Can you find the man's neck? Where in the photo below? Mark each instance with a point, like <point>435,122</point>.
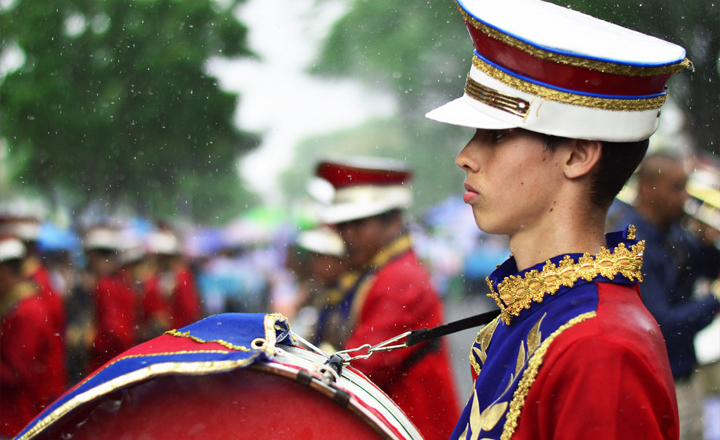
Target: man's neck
<point>559,236</point>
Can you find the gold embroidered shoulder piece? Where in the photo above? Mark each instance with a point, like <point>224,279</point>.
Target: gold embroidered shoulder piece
<point>515,293</point>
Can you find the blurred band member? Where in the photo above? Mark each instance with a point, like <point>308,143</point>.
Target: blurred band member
<point>173,281</point>
<point>27,229</point>
<point>385,291</point>
<point>100,246</point>
<point>317,260</point>
<point>26,341</point>
<point>118,307</point>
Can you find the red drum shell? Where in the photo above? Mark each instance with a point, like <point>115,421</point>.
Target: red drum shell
<point>262,401</point>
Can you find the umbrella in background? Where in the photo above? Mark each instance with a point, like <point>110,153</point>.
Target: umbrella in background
<point>53,238</point>
<point>203,242</point>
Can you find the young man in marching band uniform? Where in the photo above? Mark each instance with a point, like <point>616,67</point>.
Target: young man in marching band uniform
<point>563,105</point>
<point>386,291</point>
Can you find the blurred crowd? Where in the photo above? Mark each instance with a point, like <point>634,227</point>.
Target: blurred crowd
<point>101,289</point>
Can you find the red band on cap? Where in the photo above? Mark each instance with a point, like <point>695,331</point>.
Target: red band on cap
<point>565,76</point>
<point>341,176</point>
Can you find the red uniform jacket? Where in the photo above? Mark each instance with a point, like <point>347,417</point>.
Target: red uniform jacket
<point>630,379</point>
<point>185,307</point>
<point>116,308</point>
<point>400,297</point>
<point>26,359</point>
<point>57,378</point>
<point>574,354</point>
<point>180,299</point>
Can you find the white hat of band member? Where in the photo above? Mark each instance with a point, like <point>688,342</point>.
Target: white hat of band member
<point>24,228</point>
<point>321,240</point>
<point>163,242</point>
<point>11,248</point>
<point>548,69</point>
<point>364,187</point>
<point>102,237</point>
<point>703,187</point>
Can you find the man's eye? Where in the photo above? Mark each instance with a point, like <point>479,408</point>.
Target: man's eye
<point>497,136</point>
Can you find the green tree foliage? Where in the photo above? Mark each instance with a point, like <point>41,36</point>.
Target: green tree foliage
<point>112,100</point>
<point>420,52</point>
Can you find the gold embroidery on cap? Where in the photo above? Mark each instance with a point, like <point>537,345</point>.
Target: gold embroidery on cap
<point>569,98</point>
<point>596,65</point>
<point>514,294</point>
<point>493,98</point>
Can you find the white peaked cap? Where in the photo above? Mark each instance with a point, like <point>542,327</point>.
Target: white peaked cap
<point>163,242</point>
<point>552,70</point>
<point>703,186</point>
<point>11,249</point>
<point>322,240</point>
<point>101,238</point>
<point>364,187</point>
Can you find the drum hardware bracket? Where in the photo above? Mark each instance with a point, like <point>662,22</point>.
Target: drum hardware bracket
<point>382,346</point>
<point>336,362</point>
<point>417,336</point>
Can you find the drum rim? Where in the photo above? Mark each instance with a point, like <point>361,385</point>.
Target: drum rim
<point>392,429</point>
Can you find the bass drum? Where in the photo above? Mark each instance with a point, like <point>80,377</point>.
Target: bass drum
<point>291,397</point>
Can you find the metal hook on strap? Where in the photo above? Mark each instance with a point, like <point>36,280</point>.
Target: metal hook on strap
<point>370,349</point>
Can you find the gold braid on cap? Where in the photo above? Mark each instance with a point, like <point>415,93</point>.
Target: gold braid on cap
<point>599,66</point>
<point>496,99</point>
<point>611,104</point>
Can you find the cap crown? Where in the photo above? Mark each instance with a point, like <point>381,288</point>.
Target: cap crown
<point>364,187</point>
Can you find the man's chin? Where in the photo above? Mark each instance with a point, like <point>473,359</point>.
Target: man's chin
<point>489,228</point>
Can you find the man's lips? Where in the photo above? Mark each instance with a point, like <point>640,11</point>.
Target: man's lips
<point>470,194</point>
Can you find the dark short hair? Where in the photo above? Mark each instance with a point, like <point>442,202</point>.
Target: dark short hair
<point>386,218</point>
<point>618,161</point>
<point>15,265</point>
<point>391,216</point>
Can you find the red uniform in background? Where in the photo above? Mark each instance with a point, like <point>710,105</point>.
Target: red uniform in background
<point>57,378</point>
<point>26,358</point>
<point>116,312</point>
<point>419,379</point>
<point>178,291</point>
<point>394,295</point>
<point>185,307</point>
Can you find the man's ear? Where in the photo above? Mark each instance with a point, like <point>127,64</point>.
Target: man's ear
<point>582,158</point>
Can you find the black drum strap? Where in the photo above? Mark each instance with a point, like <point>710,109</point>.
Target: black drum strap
<point>422,335</point>
<point>344,357</point>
